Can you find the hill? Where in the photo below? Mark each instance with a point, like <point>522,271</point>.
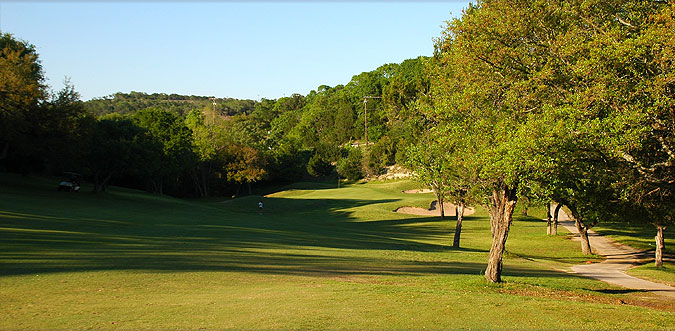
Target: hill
<point>181,105</point>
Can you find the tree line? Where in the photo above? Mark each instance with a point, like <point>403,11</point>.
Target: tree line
<point>198,146</point>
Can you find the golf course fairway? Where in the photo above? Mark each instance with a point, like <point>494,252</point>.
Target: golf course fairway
<point>317,257</point>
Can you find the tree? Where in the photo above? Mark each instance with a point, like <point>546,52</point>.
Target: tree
<point>204,151</point>
<point>63,126</point>
<point>118,147</point>
<point>176,142</point>
<point>641,94</point>
<point>494,74</point>
<point>350,166</point>
<point>437,161</point>
<point>22,90</point>
<point>244,164</point>
<point>319,165</point>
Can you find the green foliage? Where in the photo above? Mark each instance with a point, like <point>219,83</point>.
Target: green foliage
<point>351,166</point>
<point>22,90</point>
<point>180,105</point>
<point>119,147</point>
<point>175,138</point>
<point>379,156</point>
<point>319,166</point>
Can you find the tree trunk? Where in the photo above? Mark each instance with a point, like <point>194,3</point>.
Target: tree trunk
<point>100,185</point>
<point>556,214</point>
<point>439,201</point>
<point>549,221</point>
<point>250,192</point>
<point>583,231</point>
<point>502,203</point>
<point>660,245</point>
<point>442,206</point>
<point>585,243</point>
<point>458,228</point>
<point>197,182</point>
<point>526,206</point>
<point>5,150</point>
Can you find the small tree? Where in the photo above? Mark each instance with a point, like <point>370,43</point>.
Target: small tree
<point>431,167</point>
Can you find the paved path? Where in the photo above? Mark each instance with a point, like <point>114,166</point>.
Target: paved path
<point>619,258</point>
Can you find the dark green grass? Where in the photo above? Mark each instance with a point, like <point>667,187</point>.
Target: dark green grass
<point>318,257</point>
<point>640,236</point>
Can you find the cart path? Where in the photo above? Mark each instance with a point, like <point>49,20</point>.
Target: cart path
<point>619,258</point>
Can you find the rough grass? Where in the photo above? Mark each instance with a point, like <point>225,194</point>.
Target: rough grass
<point>318,257</point>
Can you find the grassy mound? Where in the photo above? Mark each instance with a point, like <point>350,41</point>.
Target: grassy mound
<point>317,257</point>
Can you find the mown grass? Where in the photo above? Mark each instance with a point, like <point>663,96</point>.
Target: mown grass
<point>641,236</point>
<point>664,274</point>
<point>318,257</point>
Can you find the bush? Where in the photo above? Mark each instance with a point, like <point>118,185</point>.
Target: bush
<point>319,166</point>
<point>381,155</point>
<point>350,166</point>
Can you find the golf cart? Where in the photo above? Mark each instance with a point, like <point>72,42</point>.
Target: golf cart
<point>70,182</point>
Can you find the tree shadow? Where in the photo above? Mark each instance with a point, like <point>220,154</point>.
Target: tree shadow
<point>293,236</point>
<point>619,291</point>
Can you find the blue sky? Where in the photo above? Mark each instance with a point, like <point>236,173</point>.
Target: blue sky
<point>221,48</point>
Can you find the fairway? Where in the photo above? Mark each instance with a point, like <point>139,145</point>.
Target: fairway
<point>318,257</point>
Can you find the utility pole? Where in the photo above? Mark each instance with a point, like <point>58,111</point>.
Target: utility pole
<point>213,116</point>
<point>365,115</point>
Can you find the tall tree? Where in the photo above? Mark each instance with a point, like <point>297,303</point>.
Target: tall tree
<point>22,90</point>
<point>495,74</point>
<point>176,141</point>
<point>118,147</point>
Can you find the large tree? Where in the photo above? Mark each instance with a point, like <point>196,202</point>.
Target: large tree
<point>638,62</point>
<point>22,90</point>
<point>176,147</point>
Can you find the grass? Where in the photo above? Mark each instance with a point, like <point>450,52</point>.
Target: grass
<point>642,237</point>
<point>665,274</point>
<point>318,257</point>
<point>635,235</point>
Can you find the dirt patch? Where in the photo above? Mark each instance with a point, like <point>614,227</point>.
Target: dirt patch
<point>433,211</point>
<point>654,302</point>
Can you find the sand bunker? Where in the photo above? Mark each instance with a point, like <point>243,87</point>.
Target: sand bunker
<point>433,211</point>
<point>421,190</point>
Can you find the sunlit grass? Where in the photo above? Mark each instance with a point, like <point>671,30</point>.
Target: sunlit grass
<point>318,257</point>
<point>664,274</point>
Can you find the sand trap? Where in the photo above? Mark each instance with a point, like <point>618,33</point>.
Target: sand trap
<point>433,211</point>
<point>421,190</point>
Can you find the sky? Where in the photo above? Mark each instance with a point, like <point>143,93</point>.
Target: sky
<point>245,50</point>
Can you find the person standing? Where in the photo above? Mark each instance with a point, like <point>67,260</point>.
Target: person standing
<point>260,207</point>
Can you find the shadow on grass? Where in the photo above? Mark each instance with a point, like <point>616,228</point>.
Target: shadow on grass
<point>293,236</point>
<point>622,291</point>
